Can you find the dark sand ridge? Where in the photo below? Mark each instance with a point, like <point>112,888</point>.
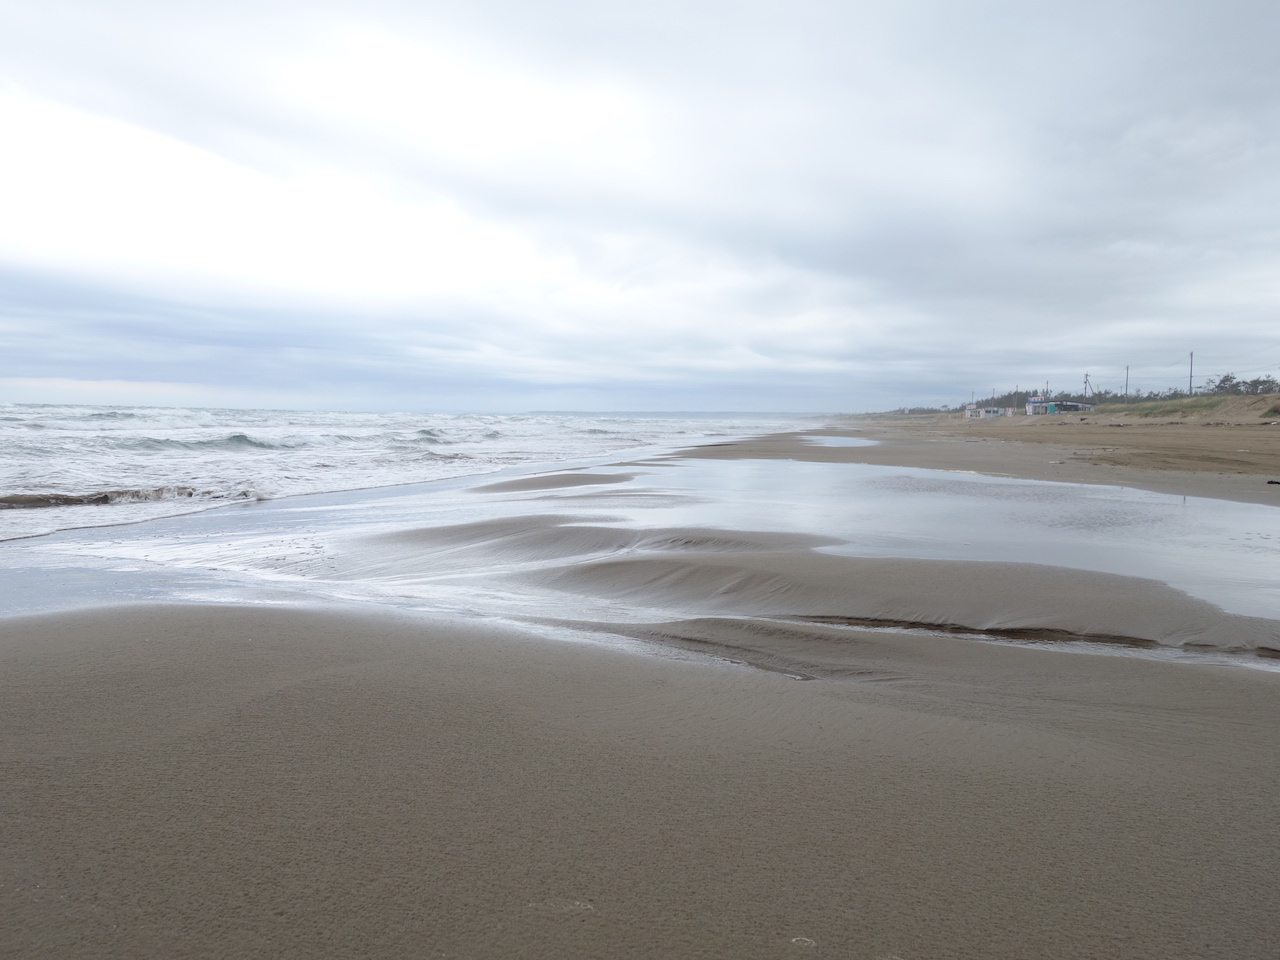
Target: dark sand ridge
<point>231,782</point>
<point>1019,600</point>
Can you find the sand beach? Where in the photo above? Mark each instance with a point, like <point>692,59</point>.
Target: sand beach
<point>795,760</point>
<point>1229,453</point>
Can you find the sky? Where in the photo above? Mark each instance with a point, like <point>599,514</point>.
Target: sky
<point>509,205</point>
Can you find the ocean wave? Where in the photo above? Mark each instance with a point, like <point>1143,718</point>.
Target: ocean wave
<point>234,441</point>
<point>106,464</point>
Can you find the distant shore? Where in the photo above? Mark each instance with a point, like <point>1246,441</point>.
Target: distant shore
<point>1204,457</point>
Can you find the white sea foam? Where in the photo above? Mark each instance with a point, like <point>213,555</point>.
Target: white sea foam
<point>65,466</point>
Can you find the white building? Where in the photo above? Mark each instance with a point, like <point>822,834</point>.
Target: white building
<point>1040,406</point>
<point>974,412</point>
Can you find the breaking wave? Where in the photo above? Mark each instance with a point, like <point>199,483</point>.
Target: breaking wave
<point>235,441</point>
<point>70,466</point>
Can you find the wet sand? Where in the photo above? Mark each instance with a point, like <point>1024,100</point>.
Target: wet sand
<point>1196,457</point>
<point>222,781</point>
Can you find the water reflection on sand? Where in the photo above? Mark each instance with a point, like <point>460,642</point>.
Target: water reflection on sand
<point>336,545</point>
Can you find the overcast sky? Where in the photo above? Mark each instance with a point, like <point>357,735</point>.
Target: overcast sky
<point>503,205</point>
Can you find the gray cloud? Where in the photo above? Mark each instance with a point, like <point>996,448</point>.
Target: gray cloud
<point>834,205</point>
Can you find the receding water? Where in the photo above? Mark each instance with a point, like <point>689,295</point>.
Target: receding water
<point>1222,552</point>
<point>824,441</point>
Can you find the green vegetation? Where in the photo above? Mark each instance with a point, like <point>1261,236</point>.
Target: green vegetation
<point>1186,406</point>
<point>1168,403</point>
<point>1274,411</point>
<point>1233,386</point>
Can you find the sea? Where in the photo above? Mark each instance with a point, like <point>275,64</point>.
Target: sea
<point>67,466</point>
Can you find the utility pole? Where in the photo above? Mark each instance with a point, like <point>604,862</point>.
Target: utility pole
<point>1191,370</point>
<point>1126,383</point>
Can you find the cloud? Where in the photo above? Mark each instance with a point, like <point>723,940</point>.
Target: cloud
<point>812,206</point>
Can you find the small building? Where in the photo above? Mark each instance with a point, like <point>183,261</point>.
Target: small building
<point>974,412</point>
<point>1042,406</point>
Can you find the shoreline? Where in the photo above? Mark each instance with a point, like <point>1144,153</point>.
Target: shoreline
<point>1016,447</point>
<point>169,507</point>
<point>770,774</point>
<point>1059,452</point>
<point>661,537</point>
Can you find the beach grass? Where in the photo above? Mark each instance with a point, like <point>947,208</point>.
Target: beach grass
<point>1186,407</point>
